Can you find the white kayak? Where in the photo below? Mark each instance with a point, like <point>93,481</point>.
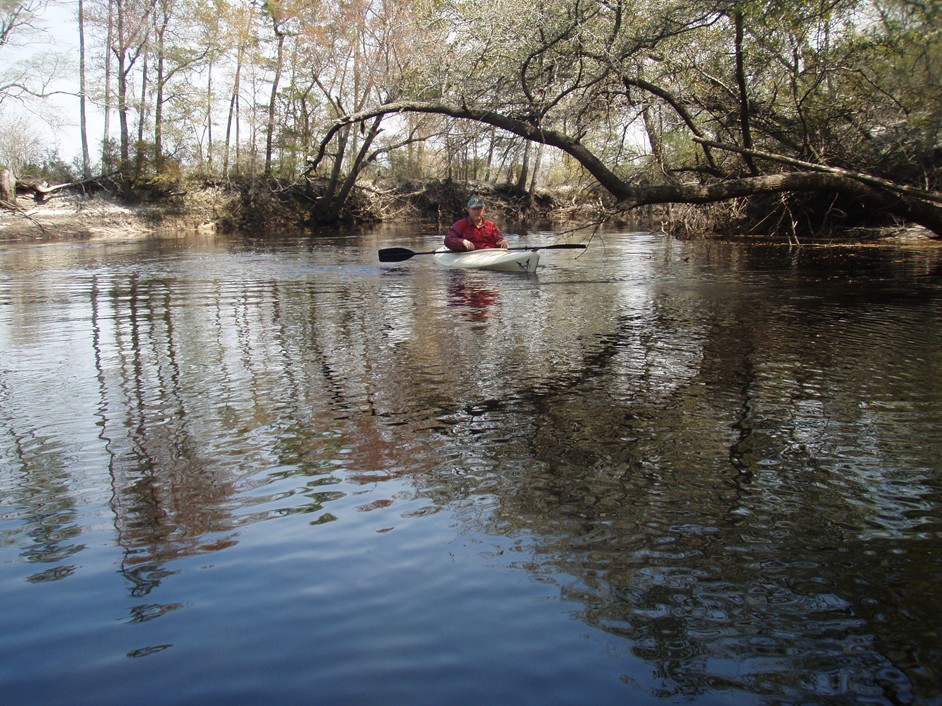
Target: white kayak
<point>490,259</point>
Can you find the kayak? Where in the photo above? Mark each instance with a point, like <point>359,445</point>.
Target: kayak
<point>521,259</point>
<point>490,259</point>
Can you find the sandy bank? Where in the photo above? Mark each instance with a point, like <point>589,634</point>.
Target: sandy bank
<point>76,216</point>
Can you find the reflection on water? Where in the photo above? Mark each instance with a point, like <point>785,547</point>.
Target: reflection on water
<point>473,293</point>
<point>722,460</point>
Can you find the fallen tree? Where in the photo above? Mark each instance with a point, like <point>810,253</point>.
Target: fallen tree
<point>879,195</point>
<point>39,191</point>
<point>8,198</point>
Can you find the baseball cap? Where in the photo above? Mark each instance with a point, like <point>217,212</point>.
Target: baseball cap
<point>475,202</point>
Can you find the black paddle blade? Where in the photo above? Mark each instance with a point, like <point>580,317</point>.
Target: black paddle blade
<point>395,254</point>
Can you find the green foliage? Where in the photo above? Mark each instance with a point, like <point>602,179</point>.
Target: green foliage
<point>849,83</point>
<point>50,169</point>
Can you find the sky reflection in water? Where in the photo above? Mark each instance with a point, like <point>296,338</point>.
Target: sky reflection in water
<point>656,472</point>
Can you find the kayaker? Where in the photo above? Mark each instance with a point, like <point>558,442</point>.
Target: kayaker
<point>474,232</point>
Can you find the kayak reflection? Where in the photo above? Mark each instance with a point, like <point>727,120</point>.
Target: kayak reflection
<point>471,296</point>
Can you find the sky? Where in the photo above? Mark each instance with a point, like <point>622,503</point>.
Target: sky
<point>55,120</point>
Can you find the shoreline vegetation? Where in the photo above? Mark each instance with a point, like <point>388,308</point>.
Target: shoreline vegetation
<point>795,123</point>
<point>80,213</point>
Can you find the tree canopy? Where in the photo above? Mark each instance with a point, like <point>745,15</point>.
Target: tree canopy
<point>806,113</point>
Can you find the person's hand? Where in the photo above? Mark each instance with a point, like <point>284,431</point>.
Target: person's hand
<point>468,245</point>
<point>504,244</point>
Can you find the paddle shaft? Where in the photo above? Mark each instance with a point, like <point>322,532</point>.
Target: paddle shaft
<point>401,254</point>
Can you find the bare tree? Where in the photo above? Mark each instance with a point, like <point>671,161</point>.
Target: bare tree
<point>24,80</point>
<point>83,118</point>
<point>128,45</point>
<point>280,14</point>
<point>17,16</point>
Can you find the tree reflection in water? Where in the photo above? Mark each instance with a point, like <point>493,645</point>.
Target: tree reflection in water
<point>743,493</point>
<point>726,456</point>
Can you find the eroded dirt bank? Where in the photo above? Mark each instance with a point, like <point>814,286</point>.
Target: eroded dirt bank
<point>101,215</point>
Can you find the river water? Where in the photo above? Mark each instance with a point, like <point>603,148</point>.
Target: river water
<point>278,471</point>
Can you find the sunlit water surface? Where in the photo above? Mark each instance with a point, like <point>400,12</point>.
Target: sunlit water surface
<point>657,472</point>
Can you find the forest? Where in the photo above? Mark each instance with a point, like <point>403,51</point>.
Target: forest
<point>766,116</point>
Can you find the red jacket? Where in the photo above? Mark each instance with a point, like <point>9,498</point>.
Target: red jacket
<point>483,235</point>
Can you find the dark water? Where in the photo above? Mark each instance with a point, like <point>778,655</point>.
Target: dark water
<point>280,472</point>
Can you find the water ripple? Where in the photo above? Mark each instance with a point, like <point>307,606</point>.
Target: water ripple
<point>661,470</point>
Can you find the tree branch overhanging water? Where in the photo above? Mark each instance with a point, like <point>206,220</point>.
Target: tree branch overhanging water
<point>877,194</point>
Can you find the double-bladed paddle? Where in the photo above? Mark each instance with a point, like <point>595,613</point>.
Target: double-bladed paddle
<point>402,254</point>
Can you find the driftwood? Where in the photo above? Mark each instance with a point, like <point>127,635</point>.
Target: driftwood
<point>8,198</point>
<point>10,187</point>
<point>40,191</point>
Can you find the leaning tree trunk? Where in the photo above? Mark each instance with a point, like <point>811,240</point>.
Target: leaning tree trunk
<point>270,124</point>
<point>744,120</point>
<point>907,203</point>
<point>339,200</point>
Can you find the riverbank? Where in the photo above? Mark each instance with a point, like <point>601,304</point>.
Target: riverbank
<point>104,216</point>
<point>212,208</point>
